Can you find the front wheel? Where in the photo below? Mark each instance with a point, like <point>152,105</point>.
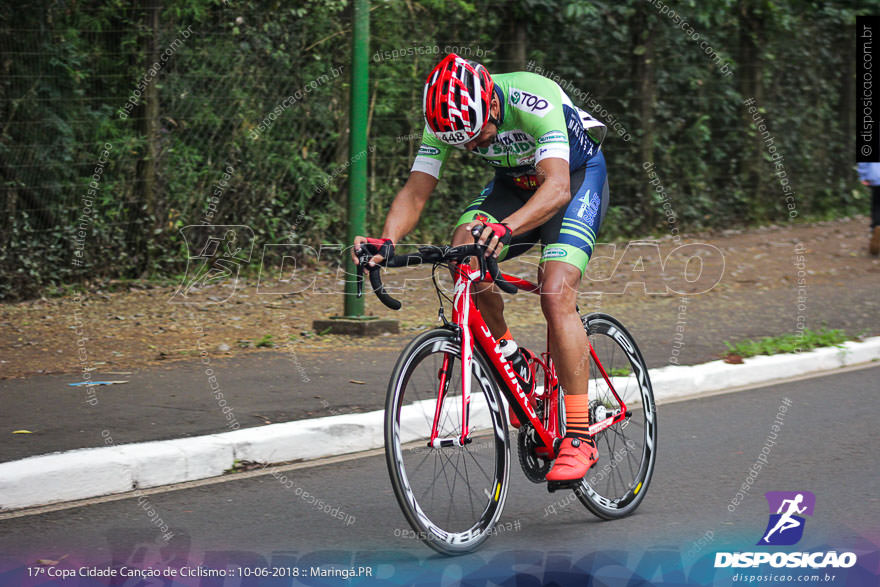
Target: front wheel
<point>617,484</point>
<point>451,495</point>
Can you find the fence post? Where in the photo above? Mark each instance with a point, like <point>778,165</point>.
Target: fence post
<point>357,147</point>
<point>354,322</point>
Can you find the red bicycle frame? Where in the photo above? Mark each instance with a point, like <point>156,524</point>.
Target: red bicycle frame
<point>467,317</point>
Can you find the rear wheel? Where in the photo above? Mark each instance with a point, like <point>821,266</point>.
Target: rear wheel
<point>452,495</point>
<point>616,485</point>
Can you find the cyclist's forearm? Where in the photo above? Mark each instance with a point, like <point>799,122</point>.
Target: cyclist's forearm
<point>548,199</point>
<point>408,205</point>
<point>402,217</point>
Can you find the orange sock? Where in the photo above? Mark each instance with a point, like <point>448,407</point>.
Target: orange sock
<point>505,336</point>
<point>577,417</point>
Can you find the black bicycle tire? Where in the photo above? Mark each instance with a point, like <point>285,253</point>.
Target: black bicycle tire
<point>427,534</point>
<point>589,497</point>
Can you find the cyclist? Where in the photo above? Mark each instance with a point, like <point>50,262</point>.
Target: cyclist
<point>550,185</point>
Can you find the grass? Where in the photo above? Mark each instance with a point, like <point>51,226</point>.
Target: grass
<point>265,342</point>
<point>788,343</point>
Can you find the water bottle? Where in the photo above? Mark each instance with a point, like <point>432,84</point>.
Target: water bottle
<point>510,350</point>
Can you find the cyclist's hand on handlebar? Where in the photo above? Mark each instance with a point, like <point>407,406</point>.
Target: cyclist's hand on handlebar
<point>494,235</point>
<point>379,248</point>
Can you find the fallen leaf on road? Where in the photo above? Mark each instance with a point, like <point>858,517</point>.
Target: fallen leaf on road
<point>357,381</point>
<point>245,465</point>
<point>22,432</point>
<point>733,359</point>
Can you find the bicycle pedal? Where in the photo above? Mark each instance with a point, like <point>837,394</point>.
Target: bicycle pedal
<point>561,485</point>
<point>571,484</point>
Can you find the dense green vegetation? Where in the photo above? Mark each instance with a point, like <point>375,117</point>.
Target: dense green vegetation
<point>215,121</point>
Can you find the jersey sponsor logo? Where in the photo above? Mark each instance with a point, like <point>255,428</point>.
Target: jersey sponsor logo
<point>528,102</point>
<point>588,208</point>
<point>510,142</point>
<point>554,136</point>
<point>514,137</point>
<point>554,253</point>
<point>428,150</point>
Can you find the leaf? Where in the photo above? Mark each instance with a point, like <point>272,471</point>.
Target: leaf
<point>359,382</point>
<point>22,432</point>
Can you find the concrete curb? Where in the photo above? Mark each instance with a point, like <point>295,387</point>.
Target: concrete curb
<point>85,473</point>
<point>678,382</point>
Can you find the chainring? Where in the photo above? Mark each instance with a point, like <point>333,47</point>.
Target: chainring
<point>534,467</point>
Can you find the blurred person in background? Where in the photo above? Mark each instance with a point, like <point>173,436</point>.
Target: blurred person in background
<point>869,174</point>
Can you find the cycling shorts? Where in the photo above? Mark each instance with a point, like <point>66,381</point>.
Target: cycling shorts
<point>570,235</point>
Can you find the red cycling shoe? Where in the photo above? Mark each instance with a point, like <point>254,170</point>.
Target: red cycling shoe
<point>574,460</point>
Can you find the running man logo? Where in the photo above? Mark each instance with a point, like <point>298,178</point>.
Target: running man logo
<point>786,526</point>
<point>215,256</point>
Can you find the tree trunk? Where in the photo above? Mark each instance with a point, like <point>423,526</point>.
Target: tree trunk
<point>643,72</point>
<point>846,107</point>
<point>149,129</point>
<point>751,38</point>
<point>513,48</point>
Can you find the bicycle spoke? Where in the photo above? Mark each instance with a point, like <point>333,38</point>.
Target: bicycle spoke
<point>477,463</point>
<point>624,485</point>
<point>617,433</point>
<point>629,462</point>
<point>422,462</point>
<point>432,486</point>
<point>443,470</point>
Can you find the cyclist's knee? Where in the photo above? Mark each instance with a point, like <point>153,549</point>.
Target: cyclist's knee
<point>461,236</point>
<point>485,294</point>
<point>559,292</point>
<point>557,304</point>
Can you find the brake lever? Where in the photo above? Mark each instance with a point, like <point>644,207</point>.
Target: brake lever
<point>482,262</point>
<point>363,259</point>
<point>476,231</point>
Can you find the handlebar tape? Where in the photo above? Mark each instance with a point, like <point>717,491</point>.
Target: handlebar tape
<point>379,290</point>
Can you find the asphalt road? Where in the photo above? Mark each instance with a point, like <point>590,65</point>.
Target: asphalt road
<point>827,444</point>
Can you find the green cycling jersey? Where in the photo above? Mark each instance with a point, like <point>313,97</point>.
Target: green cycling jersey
<point>538,120</point>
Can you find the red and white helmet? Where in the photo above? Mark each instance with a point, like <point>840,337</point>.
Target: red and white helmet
<point>456,99</point>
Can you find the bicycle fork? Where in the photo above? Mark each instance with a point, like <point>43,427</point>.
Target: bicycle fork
<point>461,310</point>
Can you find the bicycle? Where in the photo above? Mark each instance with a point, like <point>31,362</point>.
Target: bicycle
<point>452,489</point>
